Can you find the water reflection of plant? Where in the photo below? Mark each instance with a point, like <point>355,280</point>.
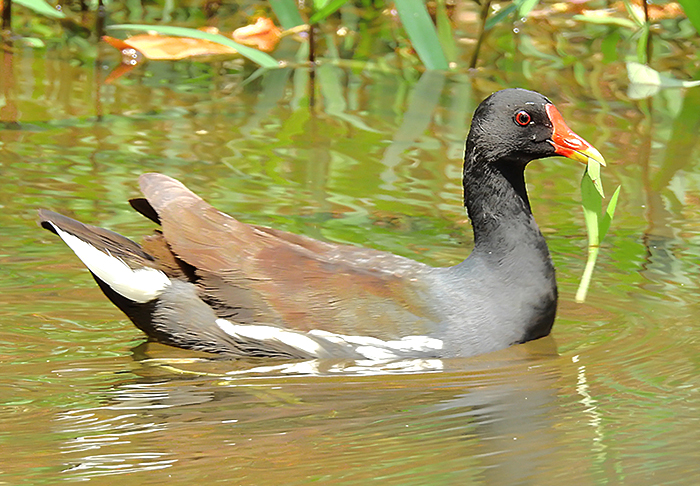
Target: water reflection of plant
<point>339,28</point>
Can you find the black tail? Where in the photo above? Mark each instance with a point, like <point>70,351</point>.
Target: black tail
<point>126,273</point>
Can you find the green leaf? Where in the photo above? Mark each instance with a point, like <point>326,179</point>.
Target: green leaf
<point>592,204</point>
<point>526,6</point>
<point>421,32</point>
<point>254,55</point>
<point>597,18</point>
<point>593,172</point>
<point>329,7</point>
<point>605,223</point>
<point>609,47</point>
<point>523,7</point>
<point>41,7</point>
<point>444,31</point>
<point>500,15</point>
<point>646,82</point>
<point>597,224</point>
<point>287,13</point>
<point>33,42</point>
<point>692,11</point>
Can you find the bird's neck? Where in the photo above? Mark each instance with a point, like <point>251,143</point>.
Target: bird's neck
<point>497,204</point>
<point>510,252</point>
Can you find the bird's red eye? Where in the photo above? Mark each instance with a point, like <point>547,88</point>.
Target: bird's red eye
<point>522,118</point>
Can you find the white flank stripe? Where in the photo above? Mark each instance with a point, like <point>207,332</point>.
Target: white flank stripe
<point>265,333</point>
<point>375,353</point>
<point>376,349</point>
<point>369,347</point>
<point>140,285</point>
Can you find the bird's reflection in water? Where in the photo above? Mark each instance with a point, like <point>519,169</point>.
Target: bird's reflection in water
<point>486,417</point>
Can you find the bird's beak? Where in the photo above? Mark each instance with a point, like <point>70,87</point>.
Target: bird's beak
<point>567,143</point>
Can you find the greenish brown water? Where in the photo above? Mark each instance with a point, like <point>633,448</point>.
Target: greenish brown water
<point>613,397</point>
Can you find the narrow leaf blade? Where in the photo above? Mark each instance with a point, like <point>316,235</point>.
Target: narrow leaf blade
<point>326,10</point>
<point>592,204</point>
<point>41,7</point>
<point>593,172</point>
<point>444,31</point>
<point>287,13</point>
<point>593,18</point>
<point>500,15</point>
<point>608,216</point>
<point>421,32</point>
<point>692,11</point>
<point>526,6</point>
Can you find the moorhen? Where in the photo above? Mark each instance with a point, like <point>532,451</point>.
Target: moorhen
<point>207,282</point>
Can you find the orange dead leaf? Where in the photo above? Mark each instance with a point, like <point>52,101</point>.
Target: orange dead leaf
<point>130,55</point>
<point>263,34</point>
<point>164,48</point>
<point>669,10</point>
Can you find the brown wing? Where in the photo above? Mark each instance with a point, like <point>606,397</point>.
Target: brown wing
<point>259,275</point>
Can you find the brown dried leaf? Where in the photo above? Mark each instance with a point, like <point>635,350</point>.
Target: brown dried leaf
<point>263,34</point>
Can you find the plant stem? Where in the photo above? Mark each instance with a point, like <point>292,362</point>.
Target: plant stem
<point>100,19</point>
<point>312,65</point>
<point>648,27</point>
<point>485,8</point>
<point>587,273</point>
<point>7,15</point>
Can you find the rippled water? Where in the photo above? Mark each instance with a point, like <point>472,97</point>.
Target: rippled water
<point>612,397</point>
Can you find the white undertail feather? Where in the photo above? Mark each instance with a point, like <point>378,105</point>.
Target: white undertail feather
<point>139,285</point>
